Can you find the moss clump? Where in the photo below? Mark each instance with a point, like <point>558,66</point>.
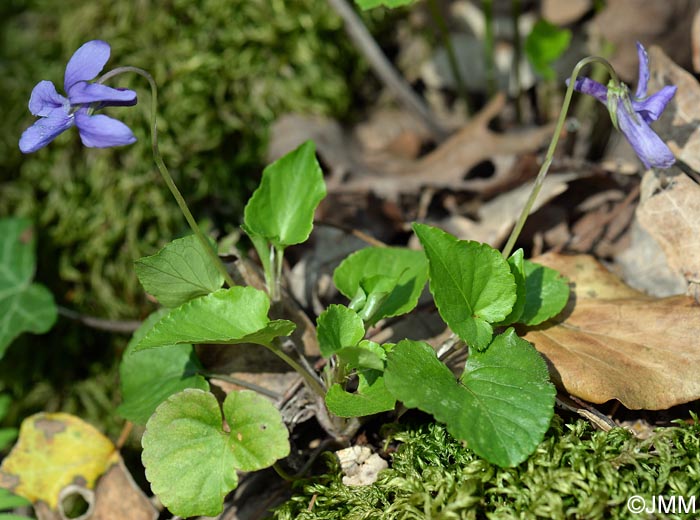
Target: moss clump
<point>226,69</point>
<point>575,473</point>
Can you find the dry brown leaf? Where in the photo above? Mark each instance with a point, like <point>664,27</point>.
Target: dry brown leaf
<point>118,496</point>
<point>679,123</point>
<point>670,211</point>
<point>613,342</point>
<point>667,24</point>
<point>354,168</point>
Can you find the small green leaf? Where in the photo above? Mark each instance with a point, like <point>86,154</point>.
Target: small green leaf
<point>371,397</point>
<point>502,405</point>
<point>370,268</point>
<point>338,327</point>
<point>149,377</point>
<point>471,283</point>
<point>544,45</point>
<point>516,262</point>
<point>367,354</point>
<point>24,306</point>
<point>179,272</point>
<point>282,208</point>
<point>191,460</point>
<point>228,316</point>
<point>369,4</point>
<point>547,293</point>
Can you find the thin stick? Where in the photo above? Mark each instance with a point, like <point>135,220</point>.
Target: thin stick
<point>383,68</point>
<point>552,146</point>
<point>119,326</point>
<point>241,382</point>
<point>165,173</point>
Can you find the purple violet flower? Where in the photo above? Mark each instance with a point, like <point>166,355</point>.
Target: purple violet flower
<point>632,115</point>
<point>58,113</point>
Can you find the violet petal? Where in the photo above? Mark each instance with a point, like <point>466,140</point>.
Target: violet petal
<point>649,147</point>
<point>101,131</point>
<point>651,108</point>
<point>45,130</point>
<point>592,88</point>
<point>45,99</point>
<point>643,80</point>
<point>84,93</point>
<point>86,63</point>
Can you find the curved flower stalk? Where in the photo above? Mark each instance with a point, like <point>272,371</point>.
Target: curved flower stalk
<point>633,114</point>
<point>58,113</point>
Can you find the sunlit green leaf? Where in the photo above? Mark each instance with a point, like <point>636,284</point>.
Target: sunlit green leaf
<point>235,315</point>
<point>191,459</point>
<point>402,271</point>
<point>179,272</point>
<point>547,292</point>
<point>501,406</point>
<point>282,209</point>
<point>471,283</point>
<point>370,397</point>
<point>367,354</point>
<point>338,327</point>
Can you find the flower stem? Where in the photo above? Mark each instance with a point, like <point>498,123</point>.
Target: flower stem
<point>552,146</point>
<point>310,379</point>
<point>158,158</point>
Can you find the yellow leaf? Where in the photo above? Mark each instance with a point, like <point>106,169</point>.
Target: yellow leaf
<point>53,451</point>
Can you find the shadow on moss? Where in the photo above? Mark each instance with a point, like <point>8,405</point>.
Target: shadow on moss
<point>575,473</point>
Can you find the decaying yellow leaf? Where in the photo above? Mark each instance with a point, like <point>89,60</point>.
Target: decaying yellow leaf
<point>612,342</point>
<point>53,451</point>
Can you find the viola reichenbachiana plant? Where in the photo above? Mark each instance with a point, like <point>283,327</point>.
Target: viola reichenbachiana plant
<point>501,404</point>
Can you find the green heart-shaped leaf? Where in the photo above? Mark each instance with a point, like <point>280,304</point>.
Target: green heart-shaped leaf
<point>229,316</point>
<point>282,208</point>
<point>471,284</point>
<point>179,272</point>
<point>191,460</point>
<point>338,327</point>
<point>24,306</point>
<point>149,377</point>
<point>501,406</point>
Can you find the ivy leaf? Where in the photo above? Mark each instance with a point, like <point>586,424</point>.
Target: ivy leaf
<point>228,316</point>
<point>369,269</point>
<point>282,208</point>
<point>150,376</point>
<point>544,45</point>
<point>369,4</point>
<point>471,284</point>
<point>191,460</point>
<point>501,406</point>
<point>547,293</point>
<point>179,272</point>
<point>24,306</point>
<point>371,396</point>
<point>338,327</point>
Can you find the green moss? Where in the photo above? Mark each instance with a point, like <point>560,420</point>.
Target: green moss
<point>226,69</point>
<point>575,473</point>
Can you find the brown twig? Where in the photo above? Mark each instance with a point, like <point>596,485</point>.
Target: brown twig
<point>118,326</point>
